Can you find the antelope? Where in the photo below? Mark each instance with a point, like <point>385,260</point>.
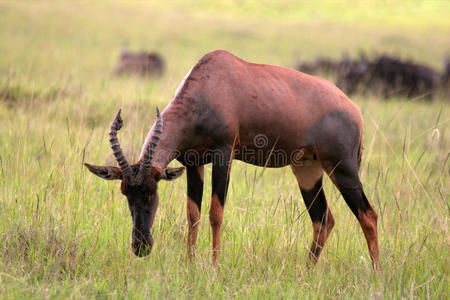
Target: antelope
<point>139,63</point>
<point>220,106</point>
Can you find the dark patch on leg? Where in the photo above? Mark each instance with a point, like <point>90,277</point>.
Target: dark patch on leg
<point>194,185</point>
<point>344,174</point>
<point>220,180</point>
<point>220,172</point>
<point>345,177</point>
<point>352,192</point>
<point>321,217</point>
<point>315,202</point>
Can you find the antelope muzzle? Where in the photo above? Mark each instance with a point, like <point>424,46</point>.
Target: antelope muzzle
<point>142,243</point>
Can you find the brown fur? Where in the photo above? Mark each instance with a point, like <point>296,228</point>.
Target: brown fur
<point>244,108</point>
<point>215,218</point>
<point>193,217</point>
<point>368,221</point>
<point>224,103</point>
<point>321,233</point>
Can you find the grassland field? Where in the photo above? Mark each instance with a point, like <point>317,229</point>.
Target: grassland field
<point>65,233</point>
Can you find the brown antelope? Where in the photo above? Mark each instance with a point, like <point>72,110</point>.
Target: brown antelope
<point>219,109</point>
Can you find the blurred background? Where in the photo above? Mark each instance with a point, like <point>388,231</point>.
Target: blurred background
<point>81,41</point>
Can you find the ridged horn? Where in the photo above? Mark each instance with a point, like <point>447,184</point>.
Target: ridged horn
<point>127,172</point>
<point>146,163</point>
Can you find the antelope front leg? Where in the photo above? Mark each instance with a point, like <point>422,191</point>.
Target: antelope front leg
<point>193,205</point>
<point>215,219</point>
<point>220,179</point>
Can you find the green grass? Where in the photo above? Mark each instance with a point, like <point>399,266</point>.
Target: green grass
<point>65,233</point>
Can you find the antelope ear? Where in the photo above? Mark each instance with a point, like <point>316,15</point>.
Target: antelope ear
<point>170,174</point>
<point>107,172</point>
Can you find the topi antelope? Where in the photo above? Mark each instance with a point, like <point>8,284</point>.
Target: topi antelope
<point>220,107</point>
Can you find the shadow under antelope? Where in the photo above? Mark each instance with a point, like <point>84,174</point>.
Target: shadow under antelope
<point>220,109</point>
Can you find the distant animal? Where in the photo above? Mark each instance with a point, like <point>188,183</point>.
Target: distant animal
<point>403,77</point>
<point>141,64</point>
<point>320,65</point>
<point>226,108</point>
<point>353,75</point>
<point>387,76</point>
<point>445,79</point>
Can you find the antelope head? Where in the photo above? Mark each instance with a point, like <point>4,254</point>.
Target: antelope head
<point>139,184</point>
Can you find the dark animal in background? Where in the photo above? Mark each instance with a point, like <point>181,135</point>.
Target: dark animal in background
<point>319,66</point>
<point>140,64</point>
<point>352,75</point>
<point>395,77</point>
<point>384,75</point>
<point>227,108</point>
<point>445,79</point>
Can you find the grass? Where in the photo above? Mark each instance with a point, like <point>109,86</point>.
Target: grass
<point>66,234</point>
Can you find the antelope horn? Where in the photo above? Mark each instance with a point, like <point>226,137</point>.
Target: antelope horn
<point>148,155</point>
<point>127,172</point>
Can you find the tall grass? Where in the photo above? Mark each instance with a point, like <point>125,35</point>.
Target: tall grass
<point>65,233</point>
